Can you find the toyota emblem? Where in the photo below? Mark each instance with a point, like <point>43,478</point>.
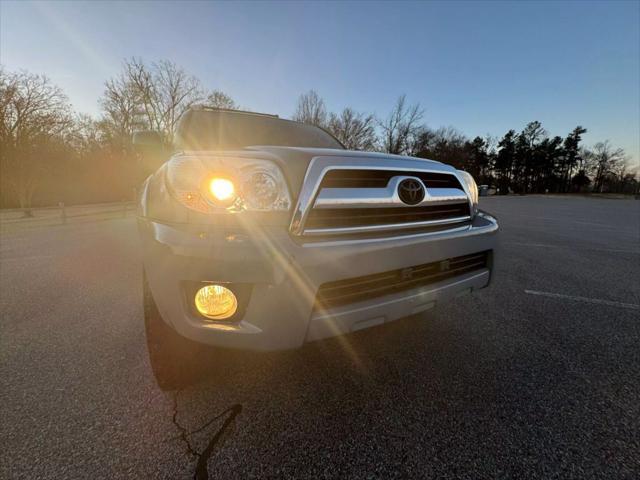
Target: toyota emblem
<point>411,191</point>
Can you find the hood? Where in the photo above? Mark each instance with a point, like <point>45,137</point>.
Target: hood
<point>294,160</point>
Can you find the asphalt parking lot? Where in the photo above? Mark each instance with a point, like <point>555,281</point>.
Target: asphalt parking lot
<point>537,376</point>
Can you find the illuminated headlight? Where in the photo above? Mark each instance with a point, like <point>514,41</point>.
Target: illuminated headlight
<point>218,184</point>
<point>472,189</point>
<point>222,189</point>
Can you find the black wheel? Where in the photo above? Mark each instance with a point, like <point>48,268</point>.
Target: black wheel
<point>173,358</point>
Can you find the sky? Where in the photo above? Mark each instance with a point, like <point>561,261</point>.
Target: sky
<point>482,67</point>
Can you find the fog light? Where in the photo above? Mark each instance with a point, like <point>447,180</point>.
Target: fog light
<point>216,302</point>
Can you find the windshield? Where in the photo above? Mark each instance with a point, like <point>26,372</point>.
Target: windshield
<point>227,130</point>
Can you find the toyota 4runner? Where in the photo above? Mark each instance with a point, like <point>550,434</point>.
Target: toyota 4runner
<point>262,233</point>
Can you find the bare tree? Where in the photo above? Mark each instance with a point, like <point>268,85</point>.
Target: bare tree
<point>402,127</point>
<point>150,96</point>
<point>139,79</point>
<point>355,130</point>
<point>85,137</point>
<point>219,99</point>
<point>34,115</point>
<point>446,144</point>
<point>604,161</point>
<point>176,91</point>
<point>311,109</point>
<point>121,108</point>
<point>153,96</point>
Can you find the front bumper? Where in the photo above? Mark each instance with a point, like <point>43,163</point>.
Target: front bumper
<point>285,276</point>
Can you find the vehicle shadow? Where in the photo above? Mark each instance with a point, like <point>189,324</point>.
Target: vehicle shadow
<point>380,381</point>
<point>360,357</point>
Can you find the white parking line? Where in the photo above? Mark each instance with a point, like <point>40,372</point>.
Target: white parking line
<point>598,301</point>
<point>572,247</point>
<point>566,220</point>
<point>25,259</point>
<point>563,220</point>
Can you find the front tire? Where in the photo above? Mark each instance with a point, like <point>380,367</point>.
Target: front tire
<point>173,358</point>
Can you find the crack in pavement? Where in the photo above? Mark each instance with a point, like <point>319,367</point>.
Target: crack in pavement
<point>184,433</point>
<point>201,472</point>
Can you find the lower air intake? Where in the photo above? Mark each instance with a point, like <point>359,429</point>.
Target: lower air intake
<point>342,292</point>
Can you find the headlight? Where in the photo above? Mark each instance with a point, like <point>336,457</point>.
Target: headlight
<point>472,188</point>
<point>222,189</point>
<point>214,184</point>
<point>261,190</point>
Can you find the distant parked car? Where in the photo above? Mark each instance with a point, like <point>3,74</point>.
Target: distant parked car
<point>486,190</point>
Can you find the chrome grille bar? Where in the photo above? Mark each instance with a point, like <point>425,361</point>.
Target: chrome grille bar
<point>385,227</point>
<point>370,192</point>
<point>383,197</point>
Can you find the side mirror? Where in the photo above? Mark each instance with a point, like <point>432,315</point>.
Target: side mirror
<point>151,151</point>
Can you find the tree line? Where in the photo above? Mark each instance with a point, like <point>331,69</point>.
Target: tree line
<point>530,161</point>
<point>49,153</point>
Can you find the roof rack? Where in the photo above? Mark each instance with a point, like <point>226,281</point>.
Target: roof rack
<point>233,110</point>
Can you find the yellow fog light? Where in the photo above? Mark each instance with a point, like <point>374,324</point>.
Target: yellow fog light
<point>216,302</point>
<point>222,189</point>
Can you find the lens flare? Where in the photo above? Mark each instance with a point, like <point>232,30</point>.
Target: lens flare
<point>222,189</point>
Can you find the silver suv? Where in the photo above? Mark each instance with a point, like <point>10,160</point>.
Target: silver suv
<point>261,233</point>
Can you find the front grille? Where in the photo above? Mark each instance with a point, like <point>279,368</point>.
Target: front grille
<point>340,200</point>
<point>342,292</point>
<point>345,178</point>
<point>360,217</point>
